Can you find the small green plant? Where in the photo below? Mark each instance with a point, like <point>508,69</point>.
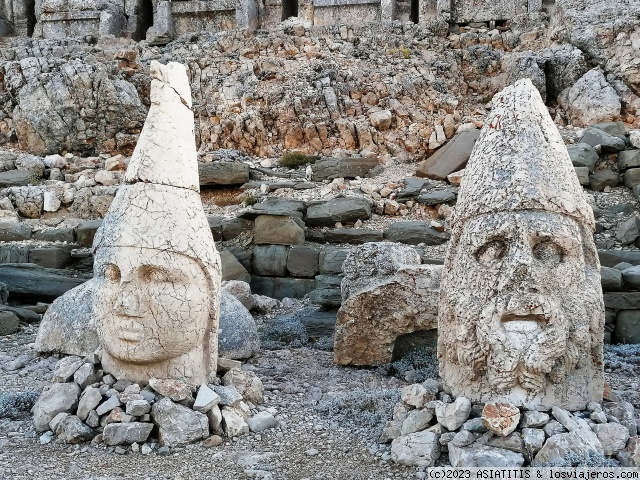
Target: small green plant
<point>390,150</point>
<point>404,51</point>
<point>249,200</point>
<point>295,160</point>
<point>34,179</point>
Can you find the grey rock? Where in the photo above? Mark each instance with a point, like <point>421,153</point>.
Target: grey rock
<point>329,297</point>
<point>450,158</point>
<point>86,231</point>
<point>594,136</point>
<point>437,197</point>
<point>234,227</point>
<point>85,375</point>
<point>282,287</point>
<point>553,428</point>
<point>262,421</point>
<point>357,236</point>
<point>412,188</point>
<point>72,430</point>
<point>565,418</point>
<point>629,159</point>
<point>629,230</point>
<point>126,433</point>
<point>331,260</point>
<point>233,422</point>
<point>178,425</point>
<point>137,408</point>
<point>229,396</point>
<point>416,421</point>
<point>278,230</point>
<point>65,368</point>
<point>206,399</point>
<point>9,323</point>
<point>632,177</point>
<point>631,277</point>
<point>484,456</point>
<point>89,400</point>
<point>223,173</point>
<point>416,449</point>
<point>390,431</point>
<point>583,176</point>
<point>583,155</point>
<point>414,233</point>
<point>627,327</point>
<point>617,129</point>
<point>330,168</point>
<point>274,206</point>
<point>512,442</point>
<point>344,210</point>
<point>303,261</point>
<point>622,300</point>
<point>57,398</point>
<point>612,436</point>
<point>581,441</point>
<point>610,258</point>
<point>532,440</point>
<point>37,282</point>
<point>232,269</point>
<point>11,232</point>
<point>16,405</point>
<point>534,419</point>
<point>270,260</point>
<point>237,332</point>
<point>462,438</point>
<point>241,291</point>
<point>624,412</point>
<point>474,425</point>
<point>58,256</point>
<point>108,405</point>
<point>453,415</point>
<point>610,279</point>
<point>603,178</point>
<point>55,235</point>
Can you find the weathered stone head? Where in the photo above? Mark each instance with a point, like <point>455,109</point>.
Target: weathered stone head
<point>521,314</point>
<point>157,271</point>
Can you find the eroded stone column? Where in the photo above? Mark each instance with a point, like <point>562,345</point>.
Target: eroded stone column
<point>156,271</point>
<point>521,314</point>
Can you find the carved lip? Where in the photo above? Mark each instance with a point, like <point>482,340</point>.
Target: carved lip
<point>130,331</point>
<point>523,323</point>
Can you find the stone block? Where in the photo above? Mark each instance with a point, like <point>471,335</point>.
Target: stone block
<point>629,159</point>
<point>51,257</point>
<point>414,233</point>
<point>86,231</point>
<point>270,260</point>
<point>232,269</point>
<point>277,230</point>
<point>330,168</point>
<point>609,143</point>
<point>9,323</point>
<point>11,232</point>
<point>215,224</point>
<point>274,206</point>
<point>356,236</point>
<point>622,300</point>
<point>632,177</point>
<point>303,261</point>
<point>280,288</point>
<point>327,297</point>
<point>611,258</point>
<point>331,260</point>
<point>223,173</point>
<point>15,178</point>
<point>450,158</point>
<point>55,235</point>
<point>37,282</point>
<point>344,210</point>
<point>627,327</point>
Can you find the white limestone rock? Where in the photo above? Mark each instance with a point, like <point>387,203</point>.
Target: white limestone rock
<point>483,456</point>
<point>416,449</point>
<point>262,421</point>
<point>453,415</point>
<point>55,399</point>
<point>591,100</point>
<point>612,436</point>
<point>178,425</point>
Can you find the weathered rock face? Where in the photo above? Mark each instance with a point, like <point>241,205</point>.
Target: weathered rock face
<point>521,314</point>
<point>156,269</point>
<point>386,294</point>
<point>591,100</point>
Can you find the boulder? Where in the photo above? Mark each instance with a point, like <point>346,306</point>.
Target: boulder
<point>416,449</point>
<point>583,155</point>
<point>178,425</point>
<point>72,430</point>
<point>234,227</point>
<point>627,327</point>
<point>609,143</point>
<point>233,423</point>
<point>453,415</point>
<point>9,323</point>
<point>611,258</point>
<point>303,261</point>
<point>330,168</point>
<point>603,178</point>
<point>126,433</point>
<point>68,326</point>
<point>610,279</point>
<point>629,159</point>
<point>437,197</point>
<point>31,280</point>
<point>237,332</point>
<point>277,230</point>
<point>414,233</point>
<point>631,277</point>
<point>57,398</point>
<point>206,399</point>
<point>223,173</point>
<point>612,436</point>
<point>86,231</point>
<point>583,175</point>
<point>632,177</point>
<point>344,210</point>
<point>12,231</point>
<point>241,290</point>
<point>483,456</point>
<point>591,100</point>
<point>232,269</point>
<point>581,441</point>
<point>270,260</point>
<point>450,158</point>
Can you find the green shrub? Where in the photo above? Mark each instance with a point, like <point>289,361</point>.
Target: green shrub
<point>295,160</point>
<point>422,360</point>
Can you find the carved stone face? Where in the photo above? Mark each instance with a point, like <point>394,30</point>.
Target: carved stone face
<point>150,305</point>
<point>518,293</point>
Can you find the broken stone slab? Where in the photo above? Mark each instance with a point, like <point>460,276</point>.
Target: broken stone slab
<point>500,418</point>
<point>55,399</point>
<point>629,159</point>
<point>178,425</point>
<point>232,269</point>
<point>126,433</point>
<point>206,399</point>
<point>233,423</point>
<point>437,197</point>
<point>627,326</point>
<point>414,233</point>
<point>582,442</point>
<point>12,232</point>
<point>611,258</point>
<point>331,260</point>
<point>223,173</point>
<point>65,368</point>
<point>450,158</point>
<point>583,155</point>
<point>412,188</point>
<point>278,230</point>
<point>274,206</point>
<point>453,415</point>
<point>601,179</point>
<point>15,178</point>
<point>36,282</point>
<point>176,390</point>
<point>370,321</point>
<point>484,456</point>
<point>416,449</point>
<point>246,383</point>
<point>330,168</point>
<point>622,300</point>
<point>270,260</point>
<point>343,210</point>
<point>229,396</point>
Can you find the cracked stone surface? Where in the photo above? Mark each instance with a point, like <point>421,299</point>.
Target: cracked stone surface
<point>157,273</point>
<point>521,314</point>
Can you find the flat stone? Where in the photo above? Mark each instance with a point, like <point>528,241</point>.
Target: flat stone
<point>86,375</point>
<point>631,277</point>
<point>65,368</point>
<point>40,283</point>
<point>331,260</point>
<point>126,433</point>
<point>624,412</point>
<point>262,421</point>
<point>483,456</point>
<point>416,449</point>
<point>583,155</point>
<point>178,425</point>
<point>629,159</point>
<point>609,143</point>
<point>303,261</point>
<point>137,408</point>
<point>512,441</point>
<point>57,398</point>
<point>12,232</point>
<point>414,233</point>
<point>612,436</point>
<point>223,173</point>
<point>343,210</point>
<point>553,428</point>
<point>270,260</point>
<point>450,158</point>
<point>234,227</point>
<point>176,390</point>
<point>601,179</point>
<point>453,415</point>
<point>330,168</point>
<point>462,438</point>
<point>357,236</point>
<point>229,396</point>
<point>56,257</point>
<point>583,175</point>
<point>277,230</point>
<point>206,399</point>
<point>412,188</point>
<point>15,178</point>
<point>437,197</point>
<point>232,269</point>
<point>500,418</point>
<point>274,206</point>
<point>108,405</point>
<point>611,258</point>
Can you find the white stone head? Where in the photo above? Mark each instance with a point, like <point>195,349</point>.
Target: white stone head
<point>521,314</point>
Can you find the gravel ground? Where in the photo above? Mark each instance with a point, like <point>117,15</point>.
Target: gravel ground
<point>307,444</point>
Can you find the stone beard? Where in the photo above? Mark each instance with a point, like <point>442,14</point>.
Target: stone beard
<point>521,310</point>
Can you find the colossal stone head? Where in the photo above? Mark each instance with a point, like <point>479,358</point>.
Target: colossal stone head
<point>157,271</point>
<point>521,316</point>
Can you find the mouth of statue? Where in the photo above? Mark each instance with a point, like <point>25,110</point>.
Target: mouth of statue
<point>523,323</point>
<point>131,331</point>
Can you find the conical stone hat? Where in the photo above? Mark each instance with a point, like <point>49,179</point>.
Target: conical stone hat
<point>520,163</point>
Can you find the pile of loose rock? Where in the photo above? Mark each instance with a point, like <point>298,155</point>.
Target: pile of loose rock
<point>87,404</point>
<point>430,428</point>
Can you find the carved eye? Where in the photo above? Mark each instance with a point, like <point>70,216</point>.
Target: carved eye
<point>549,252</point>
<point>155,274</point>
<point>111,272</point>
<point>491,252</point>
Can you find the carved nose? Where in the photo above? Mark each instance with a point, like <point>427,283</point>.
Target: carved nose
<point>128,303</point>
